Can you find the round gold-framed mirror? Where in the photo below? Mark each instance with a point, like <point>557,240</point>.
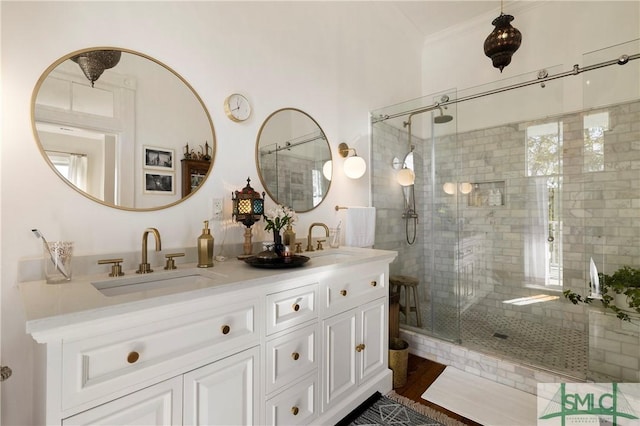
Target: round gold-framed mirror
<point>293,158</point>
<point>122,128</point>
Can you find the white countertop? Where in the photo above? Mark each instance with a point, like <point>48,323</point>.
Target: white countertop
<point>49,306</point>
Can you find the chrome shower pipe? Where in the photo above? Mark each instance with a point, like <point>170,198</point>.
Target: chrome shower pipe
<point>622,60</point>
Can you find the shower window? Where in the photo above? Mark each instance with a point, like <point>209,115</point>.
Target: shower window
<point>594,128</point>
<point>543,235</point>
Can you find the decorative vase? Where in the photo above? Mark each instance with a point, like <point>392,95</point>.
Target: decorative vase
<point>278,247</point>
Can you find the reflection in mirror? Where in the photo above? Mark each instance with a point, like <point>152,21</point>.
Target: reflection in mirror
<point>290,153</point>
<point>99,139</point>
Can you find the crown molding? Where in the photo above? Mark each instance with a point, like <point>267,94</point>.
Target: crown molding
<point>511,8</point>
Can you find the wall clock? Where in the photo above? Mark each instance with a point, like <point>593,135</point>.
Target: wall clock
<point>237,107</point>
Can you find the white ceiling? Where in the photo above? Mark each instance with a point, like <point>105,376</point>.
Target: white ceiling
<point>433,16</point>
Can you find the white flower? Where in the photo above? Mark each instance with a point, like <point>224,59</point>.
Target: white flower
<point>278,217</point>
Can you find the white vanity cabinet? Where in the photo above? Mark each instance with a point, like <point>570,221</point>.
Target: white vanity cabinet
<point>285,347</point>
<point>225,392</point>
<point>292,356</point>
<point>355,336</point>
<point>159,404</point>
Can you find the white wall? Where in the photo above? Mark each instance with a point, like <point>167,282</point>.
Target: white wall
<point>555,36</point>
<point>335,61</point>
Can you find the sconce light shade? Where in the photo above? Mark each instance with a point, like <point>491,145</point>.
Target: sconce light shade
<point>406,177</point>
<point>465,187</point>
<point>503,41</point>
<point>94,62</point>
<point>449,188</point>
<point>327,169</point>
<point>354,167</point>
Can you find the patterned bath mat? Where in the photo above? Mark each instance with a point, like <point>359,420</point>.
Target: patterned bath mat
<point>393,409</point>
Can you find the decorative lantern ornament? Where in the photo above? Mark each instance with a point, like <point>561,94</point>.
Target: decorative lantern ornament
<point>248,208</point>
<point>503,41</point>
<point>94,62</point>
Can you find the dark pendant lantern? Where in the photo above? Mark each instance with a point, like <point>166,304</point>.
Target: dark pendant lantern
<point>94,62</point>
<point>503,41</point>
<point>248,208</point>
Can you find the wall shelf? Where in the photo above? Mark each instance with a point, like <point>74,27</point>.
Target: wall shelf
<point>487,194</point>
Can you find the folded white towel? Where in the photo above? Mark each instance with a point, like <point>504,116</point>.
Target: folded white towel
<point>361,227</point>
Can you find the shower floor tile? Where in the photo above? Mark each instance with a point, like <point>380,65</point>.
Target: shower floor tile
<point>546,346</point>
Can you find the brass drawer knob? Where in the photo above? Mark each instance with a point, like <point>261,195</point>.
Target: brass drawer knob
<point>343,292</point>
<point>360,347</point>
<point>296,307</point>
<point>225,329</point>
<point>295,411</point>
<point>133,357</point>
<point>374,283</point>
<point>295,356</point>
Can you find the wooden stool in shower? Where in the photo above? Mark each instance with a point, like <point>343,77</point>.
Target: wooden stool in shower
<point>410,285</point>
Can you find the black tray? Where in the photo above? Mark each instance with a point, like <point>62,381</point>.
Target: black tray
<point>277,262</point>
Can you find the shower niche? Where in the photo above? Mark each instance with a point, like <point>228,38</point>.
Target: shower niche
<point>487,194</point>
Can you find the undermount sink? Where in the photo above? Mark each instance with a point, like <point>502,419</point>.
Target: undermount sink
<point>335,254</point>
<point>119,286</point>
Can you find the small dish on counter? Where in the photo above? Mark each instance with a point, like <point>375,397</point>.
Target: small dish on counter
<point>278,262</point>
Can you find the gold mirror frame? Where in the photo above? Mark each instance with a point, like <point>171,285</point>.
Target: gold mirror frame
<point>287,143</point>
<point>178,153</point>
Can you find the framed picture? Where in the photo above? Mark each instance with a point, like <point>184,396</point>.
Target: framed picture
<point>158,158</point>
<point>158,183</point>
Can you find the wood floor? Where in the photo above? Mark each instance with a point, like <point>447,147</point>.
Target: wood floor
<point>420,374</point>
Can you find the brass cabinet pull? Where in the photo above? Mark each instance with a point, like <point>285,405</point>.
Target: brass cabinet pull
<point>295,411</point>
<point>225,329</point>
<point>360,347</point>
<point>343,292</point>
<point>296,307</point>
<point>133,357</point>
<point>374,283</point>
<point>295,356</point>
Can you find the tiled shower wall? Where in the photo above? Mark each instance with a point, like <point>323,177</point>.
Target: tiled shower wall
<point>389,200</point>
<point>483,246</point>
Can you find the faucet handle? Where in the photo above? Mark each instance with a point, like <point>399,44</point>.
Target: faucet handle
<point>298,247</point>
<point>319,242</point>
<point>171,264</point>
<point>116,268</point>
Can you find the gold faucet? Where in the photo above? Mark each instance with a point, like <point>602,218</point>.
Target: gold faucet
<point>309,245</point>
<point>144,267</point>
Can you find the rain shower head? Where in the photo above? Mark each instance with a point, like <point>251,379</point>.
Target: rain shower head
<point>442,118</point>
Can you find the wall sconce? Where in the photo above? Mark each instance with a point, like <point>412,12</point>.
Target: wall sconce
<point>94,62</point>
<point>354,167</point>
<point>248,208</point>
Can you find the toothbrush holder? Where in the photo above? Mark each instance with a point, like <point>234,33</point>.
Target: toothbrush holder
<point>57,261</point>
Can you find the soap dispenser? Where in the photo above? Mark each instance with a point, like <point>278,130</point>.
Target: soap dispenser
<point>289,236</point>
<point>205,247</point>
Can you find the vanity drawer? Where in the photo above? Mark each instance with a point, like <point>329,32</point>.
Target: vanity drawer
<point>108,364</point>
<point>291,307</point>
<point>354,288</point>
<point>290,357</point>
<point>295,406</point>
